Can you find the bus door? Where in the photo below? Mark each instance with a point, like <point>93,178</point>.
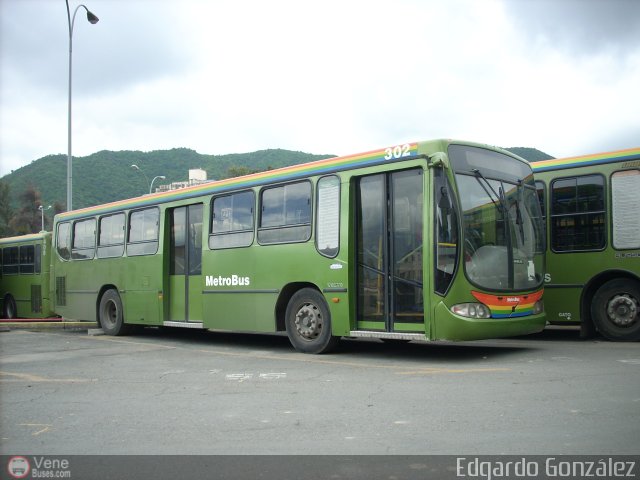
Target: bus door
<point>389,251</point>
<point>185,269</point>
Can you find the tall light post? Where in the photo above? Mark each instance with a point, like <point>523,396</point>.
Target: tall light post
<point>42,209</point>
<point>161,177</point>
<point>72,19</point>
<point>136,167</point>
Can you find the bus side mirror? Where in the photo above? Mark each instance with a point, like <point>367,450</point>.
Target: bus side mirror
<point>437,160</point>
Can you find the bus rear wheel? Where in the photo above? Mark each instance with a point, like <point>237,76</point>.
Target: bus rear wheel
<point>9,309</point>
<point>308,322</point>
<point>111,315</point>
<point>615,310</point>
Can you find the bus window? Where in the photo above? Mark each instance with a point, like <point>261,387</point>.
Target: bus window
<point>186,240</point>
<point>577,214</point>
<point>540,190</point>
<point>232,220</point>
<point>10,261</point>
<point>328,218</point>
<point>195,239</point>
<point>27,259</point>
<point>625,195</point>
<point>38,259</point>
<point>62,240</point>
<point>111,236</point>
<point>446,233</point>
<point>407,200</point>
<point>286,214</point>
<point>143,232</point>
<point>84,239</point>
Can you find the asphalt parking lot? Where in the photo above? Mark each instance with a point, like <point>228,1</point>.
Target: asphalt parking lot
<point>174,391</point>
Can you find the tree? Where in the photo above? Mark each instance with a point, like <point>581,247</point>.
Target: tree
<point>6,212</point>
<point>238,171</point>
<point>27,220</point>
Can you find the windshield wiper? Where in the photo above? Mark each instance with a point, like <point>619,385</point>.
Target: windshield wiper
<point>519,220</point>
<point>500,205</point>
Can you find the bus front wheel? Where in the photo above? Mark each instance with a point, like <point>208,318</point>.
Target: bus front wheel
<point>615,310</point>
<point>111,314</point>
<point>9,309</point>
<point>308,322</point>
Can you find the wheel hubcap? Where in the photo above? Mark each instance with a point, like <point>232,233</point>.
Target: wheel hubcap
<point>308,321</point>
<point>111,313</point>
<point>622,310</point>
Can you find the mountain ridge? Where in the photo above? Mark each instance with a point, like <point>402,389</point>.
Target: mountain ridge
<point>119,180</point>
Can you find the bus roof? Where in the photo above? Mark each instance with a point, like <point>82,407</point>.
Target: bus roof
<point>30,237</point>
<point>319,167</point>
<point>586,160</point>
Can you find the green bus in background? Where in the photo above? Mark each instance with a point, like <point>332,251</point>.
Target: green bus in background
<point>24,285</point>
<point>592,209</point>
<point>428,241</point>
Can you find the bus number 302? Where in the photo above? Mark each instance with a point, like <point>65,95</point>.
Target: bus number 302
<point>398,151</point>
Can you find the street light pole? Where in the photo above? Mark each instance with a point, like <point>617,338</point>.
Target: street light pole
<point>71,20</point>
<point>136,167</point>
<point>42,209</point>
<point>161,177</point>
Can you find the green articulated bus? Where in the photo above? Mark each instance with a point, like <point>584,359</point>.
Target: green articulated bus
<point>592,209</point>
<point>24,285</point>
<point>431,240</point>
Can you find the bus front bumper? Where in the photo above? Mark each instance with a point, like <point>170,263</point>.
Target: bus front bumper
<point>449,326</point>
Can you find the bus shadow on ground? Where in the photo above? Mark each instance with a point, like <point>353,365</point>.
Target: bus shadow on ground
<point>278,344</point>
<point>562,334</point>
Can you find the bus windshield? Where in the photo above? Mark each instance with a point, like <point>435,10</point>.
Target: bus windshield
<point>502,223</point>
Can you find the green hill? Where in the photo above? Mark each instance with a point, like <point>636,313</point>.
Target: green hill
<point>530,154</point>
<point>107,176</point>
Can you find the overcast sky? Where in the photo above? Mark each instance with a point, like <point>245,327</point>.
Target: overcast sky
<point>338,77</point>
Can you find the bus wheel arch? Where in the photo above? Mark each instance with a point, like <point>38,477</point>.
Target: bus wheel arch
<point>9,308</point>
<point>614,307</point>
<point>111,313</point>
<point>308,321</point>
<point>101,293</point>
<point>283,300</point>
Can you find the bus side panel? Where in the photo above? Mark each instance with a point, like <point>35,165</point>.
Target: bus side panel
<point>81,293</point>
<point>242,286</point>
<point>562,305</point>
<point>20,288</point>
<point>229,284</point>
<point>142,285</point>
<point>567,275</point>
<point>30,290</point>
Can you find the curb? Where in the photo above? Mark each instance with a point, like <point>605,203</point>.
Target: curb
<point>47,326</point>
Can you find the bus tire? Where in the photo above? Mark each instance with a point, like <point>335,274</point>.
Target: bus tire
<point>615,310</point>
<point>308,322</point>
<point>9,309</point>
<point>111,316</point>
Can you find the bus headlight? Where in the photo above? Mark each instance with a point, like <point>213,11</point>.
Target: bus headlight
<point>538,307</point>
<point>471,310</point>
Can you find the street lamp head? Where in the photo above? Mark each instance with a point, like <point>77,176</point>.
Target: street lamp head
<point>162,177</point>
<point>135,167</point>
<point>93,19</point>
